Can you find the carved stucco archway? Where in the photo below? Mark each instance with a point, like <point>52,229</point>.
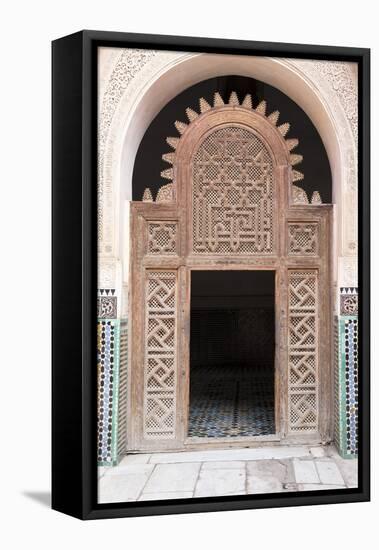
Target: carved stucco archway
<point>134,86</point>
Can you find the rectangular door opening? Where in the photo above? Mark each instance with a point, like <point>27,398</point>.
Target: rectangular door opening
<point>232,351</point>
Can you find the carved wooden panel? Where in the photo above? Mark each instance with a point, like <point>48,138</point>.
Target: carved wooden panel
<point>303,239</point>
<point>232,194</point>
<point>303,350</point>
<point>160,355</point>
<point>162,237</point>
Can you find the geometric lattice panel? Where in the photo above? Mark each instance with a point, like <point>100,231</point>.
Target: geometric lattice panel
<point>160,355</point>
<point>107,390</point>
<point>303,239</point>
<point>232,194</point>
<point>302,351</point>
<point>162,237</point>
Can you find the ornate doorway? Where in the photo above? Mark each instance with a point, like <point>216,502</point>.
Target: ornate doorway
<point>231,204</point>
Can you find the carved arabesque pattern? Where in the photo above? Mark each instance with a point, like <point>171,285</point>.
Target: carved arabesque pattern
<point>302,239</point>
<point>303,351</point>
<point>350,305</point>
<point>339,78</point>
<point>232,194</point>
<point>128,64</point>
<point>166,193</point>
<point>160,355</point>
<point>299,196</point>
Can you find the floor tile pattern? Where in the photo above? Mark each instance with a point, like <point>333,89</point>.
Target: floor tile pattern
<point>231,401</point>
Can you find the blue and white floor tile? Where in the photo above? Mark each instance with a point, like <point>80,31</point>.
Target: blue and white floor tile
<point>231,401</point>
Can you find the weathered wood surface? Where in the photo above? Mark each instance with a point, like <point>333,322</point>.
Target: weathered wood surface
<point>184,260</point>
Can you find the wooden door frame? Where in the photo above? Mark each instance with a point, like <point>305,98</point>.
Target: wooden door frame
<point>141,215</point>
<point>184,261</point>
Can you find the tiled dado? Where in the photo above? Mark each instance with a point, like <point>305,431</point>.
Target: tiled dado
<point>111,390</point>
<point>346,385</point>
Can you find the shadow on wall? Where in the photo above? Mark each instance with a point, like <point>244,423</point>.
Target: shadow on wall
<point>41,497</point>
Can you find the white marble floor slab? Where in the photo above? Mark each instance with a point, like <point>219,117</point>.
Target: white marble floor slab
<point>166,496</point>
<point>221,481</point>
<point>305,471</point>
<point>328,472</point>
<point>170,476</point>
<point>262,453</point>
<point>173,477</point>
<point>122,488</point>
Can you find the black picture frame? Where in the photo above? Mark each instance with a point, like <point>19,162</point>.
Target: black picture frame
<point>74,271</point>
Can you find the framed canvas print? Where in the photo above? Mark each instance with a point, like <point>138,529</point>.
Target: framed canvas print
<point>210,274</point>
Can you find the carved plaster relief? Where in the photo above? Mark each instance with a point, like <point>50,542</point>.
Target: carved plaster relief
<point>337,83</point>
<point>107,273</point>
<point>131,74</point>
<point>348,271</point>
<point>109,277</point>
<point>129,62</point>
